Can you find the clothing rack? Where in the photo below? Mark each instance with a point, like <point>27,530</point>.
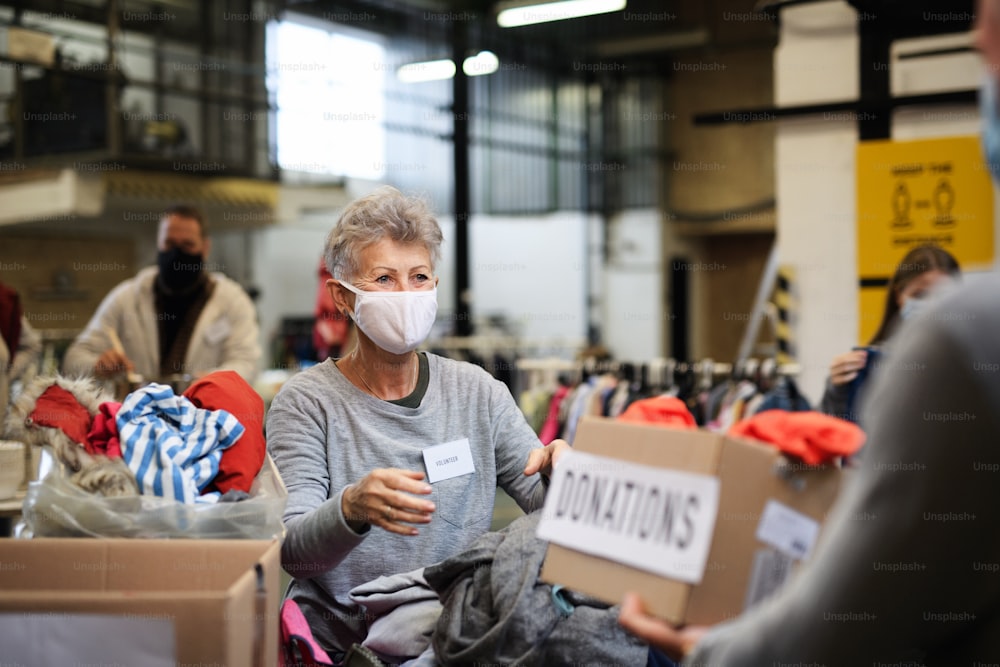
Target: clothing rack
<point>752,368</point>
<point>555,392</point>
<point>501,354</point>
<point>547,372</point>
<point>504,343</point>
<point>660,370</point>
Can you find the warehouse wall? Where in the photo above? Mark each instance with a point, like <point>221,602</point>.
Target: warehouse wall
<point>63,279</point>
<point>718,185</point>
<point>527,270</point>
<point>817,61</point>
<point>635,315</point>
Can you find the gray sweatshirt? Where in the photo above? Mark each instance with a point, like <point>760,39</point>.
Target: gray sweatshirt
<point>324,434</point>
<point>908,572</point>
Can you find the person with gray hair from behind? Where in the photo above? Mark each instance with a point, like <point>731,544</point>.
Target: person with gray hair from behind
<point>391,456</point>
<point>907,570</point>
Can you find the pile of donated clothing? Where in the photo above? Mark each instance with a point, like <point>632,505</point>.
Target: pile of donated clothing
<point>124,468</point>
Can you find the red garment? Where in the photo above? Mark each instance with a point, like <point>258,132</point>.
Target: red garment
<point>226,390</point>
<point>58,408</point>
<point>10,318</point>
<point>103,435</point>
<point>811,436</point>
<point>330,329</point>
<point>550,427</point>
<point>660,410</point>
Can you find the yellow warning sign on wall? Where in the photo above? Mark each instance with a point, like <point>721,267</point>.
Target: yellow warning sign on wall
<point>912,193</point>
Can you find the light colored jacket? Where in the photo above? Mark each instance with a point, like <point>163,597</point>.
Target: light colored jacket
<point>225,335</point>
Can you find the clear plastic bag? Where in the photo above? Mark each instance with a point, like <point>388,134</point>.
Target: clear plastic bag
<point>54,507</point>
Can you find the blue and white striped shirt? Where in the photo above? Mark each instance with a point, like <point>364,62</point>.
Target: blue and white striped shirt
<point>171,446</point>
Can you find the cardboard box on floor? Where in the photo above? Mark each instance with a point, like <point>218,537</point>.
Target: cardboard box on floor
<point>217,599</point>
<point>750,474</point>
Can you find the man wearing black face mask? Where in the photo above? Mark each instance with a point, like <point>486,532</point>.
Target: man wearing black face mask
<point>172,319</point>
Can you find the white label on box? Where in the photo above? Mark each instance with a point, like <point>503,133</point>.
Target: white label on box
<point>63,638</point>
<point>650,518</point>
<point>452,459</point>
<point>788,531</point>
<point>770,570</point>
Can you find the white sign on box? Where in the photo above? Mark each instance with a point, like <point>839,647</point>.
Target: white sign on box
<point>788,531</point>
<point>650,518</point>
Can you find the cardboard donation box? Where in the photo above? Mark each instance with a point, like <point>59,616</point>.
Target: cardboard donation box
<point>701,525</point>
<point>66,601</point>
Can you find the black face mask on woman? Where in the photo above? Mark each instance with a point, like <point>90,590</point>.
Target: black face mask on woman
<point>179,270</point>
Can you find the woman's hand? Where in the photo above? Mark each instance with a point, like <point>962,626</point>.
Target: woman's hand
<point>845,367</point>
<point>544,459</point>
<point>383,498</point>
<point>675,642</point>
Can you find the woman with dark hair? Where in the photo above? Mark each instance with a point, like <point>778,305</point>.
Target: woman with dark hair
<point>918,274</point>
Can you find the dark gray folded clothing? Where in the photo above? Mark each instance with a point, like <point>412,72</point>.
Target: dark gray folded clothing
<point>496,610</point>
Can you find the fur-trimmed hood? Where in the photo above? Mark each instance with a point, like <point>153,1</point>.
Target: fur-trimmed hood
<point>57,412</point>
<point>20,426</point>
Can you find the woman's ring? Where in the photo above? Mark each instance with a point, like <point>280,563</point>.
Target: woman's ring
<point>388,513</point>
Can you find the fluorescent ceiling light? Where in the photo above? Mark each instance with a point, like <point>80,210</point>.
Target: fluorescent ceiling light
<point>484,62</point>
<point>431,70</point>
<point>512,15</point>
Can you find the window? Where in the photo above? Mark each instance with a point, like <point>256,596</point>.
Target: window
<point>328,87</point>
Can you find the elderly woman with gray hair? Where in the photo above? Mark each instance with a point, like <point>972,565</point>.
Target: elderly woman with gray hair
<point>391,456</point>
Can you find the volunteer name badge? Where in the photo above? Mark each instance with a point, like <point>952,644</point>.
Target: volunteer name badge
<point>452,459</point>
<point>653,519</point>
<point>217,331</point>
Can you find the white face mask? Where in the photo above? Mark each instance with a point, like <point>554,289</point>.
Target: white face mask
<point>991,122</point>
<point>912,308</point>
<point>396,321</point>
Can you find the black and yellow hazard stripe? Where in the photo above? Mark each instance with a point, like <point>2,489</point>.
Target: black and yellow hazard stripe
<point>140,184</point>
<point>784,302</point>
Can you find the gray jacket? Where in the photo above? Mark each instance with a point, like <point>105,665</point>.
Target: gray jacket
<point>497,612</point>
<point>907,571</point>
